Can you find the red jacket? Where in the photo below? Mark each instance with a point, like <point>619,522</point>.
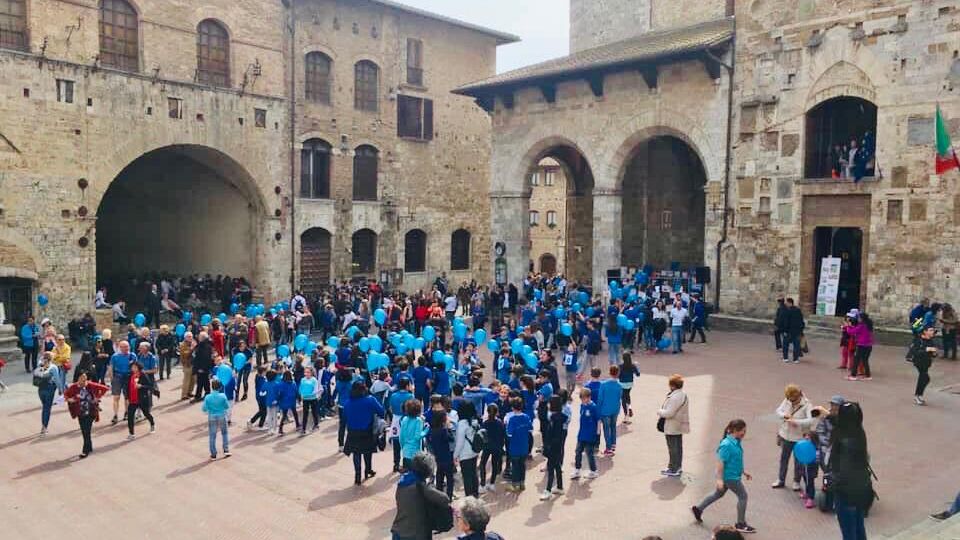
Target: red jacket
<point>217,339</point>
<point>73,391</point>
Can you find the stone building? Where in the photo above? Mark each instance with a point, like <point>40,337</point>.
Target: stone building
<point>149,135</point>
<point>674,164</point>
<point>548,218</point>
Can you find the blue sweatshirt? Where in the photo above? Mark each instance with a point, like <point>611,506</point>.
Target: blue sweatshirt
<point>441,381</point>
<point>258,388</point>
<point>360,412</point>
<point>440,440</point>
<point>571,362</point>
<point>518,430</point>
<point>412,432</point>
<point>608,399</point>
<point>287,395</point>
<point>396,401</point>
<point>589,431</point>
<point>308,388</point>
<point>271,392</point>
<point>496,435</point>
<point>216,405</point>
<point>421,374</point>
<point>594,386</point>
<point>529,403</point>
<point>504,365</point>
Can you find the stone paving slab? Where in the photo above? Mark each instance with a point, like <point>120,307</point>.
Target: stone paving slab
<point>162,485</point>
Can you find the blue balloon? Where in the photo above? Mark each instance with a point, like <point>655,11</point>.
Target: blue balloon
<point>664,344</point>
<point>43,300</point>
<point>566,329</point>
<point>402,349</point>
<point>591,312</point>
<point>559,313</point>
<point>353,331</point>
<point>577,307</point>
<point>448,360</point>
<point>206,319</point>
<point>250,312</point>
<point>643,279</point>
<point>429,333</point>
<point>621,320</point>
<point>614,285</point>
<point>537,294</point>
<point>180,330</point>
<point>376,343</point>
<point>437,356</point>
<point>516,346</point>
<point>493,345</point>
<point>629,325</point>
<point>187,316</point>
<point>273,312</point>
<point>364,344</point>
<point>333,342</point>
<point>300,342</point>
<point>139,319</point>
<point>261,309</point>
<point>460,332</point>
<point>394,338</point>
<point>234,308</point>
<point>527,350</point>
<point>283,351</point>
<point>805,452</point>
<point>531,361</point>
<point>222,317</point>
<point>419,344</point>
<point>377,361</point>
<point>311,346</point>
<point>409,341</point>
<point>380,316</point>
<point>239,361</point>
<point>583,297</point>
<point>480,336</point>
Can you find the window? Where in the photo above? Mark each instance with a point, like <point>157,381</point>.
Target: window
<point>366,82</point>
<point>315,169</point>
<point>833,127</point>
<point>175,108</point>
<point>535,179</point>
<point>666,220</point>
<point>119,35</point>
<point>260,118</point>
<point>549,178</point>
<point>64,91</point>
<point>534,218</point>
<point>366,162</point>
<point>415,118</point>
<point>364,251</point>
<point>415,61</point>
<point>415,251</point>
<point>551,219</point>
<point>318,77</point>
<point>13,24</point>
<point>213,54</point>
<point>460,250</point>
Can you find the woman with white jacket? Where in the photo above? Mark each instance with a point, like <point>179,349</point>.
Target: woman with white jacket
<point>796,419</point>
<point>675,417</point>
<point>463,454</point>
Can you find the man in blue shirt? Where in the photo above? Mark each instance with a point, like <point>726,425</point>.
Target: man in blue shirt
<point>608,401</point>
<point>28,343</point>
<point>118,372</point>
<point>588,436</point>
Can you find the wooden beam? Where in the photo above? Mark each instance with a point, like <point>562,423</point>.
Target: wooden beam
<point>712,66</point>
<point>596,84</point>
<point>649,74</point>
<point>549,92</point>
<point>507,100</point>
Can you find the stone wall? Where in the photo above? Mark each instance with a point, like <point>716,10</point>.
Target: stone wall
<point>546,239</point>
<point>676,13</point>
<point>599,22</point>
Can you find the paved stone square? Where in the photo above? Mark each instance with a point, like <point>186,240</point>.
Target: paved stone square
<point>163,486</point>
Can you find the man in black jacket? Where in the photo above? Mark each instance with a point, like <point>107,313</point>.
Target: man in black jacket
<point>152,305</point>
<point>792,328</point>
<point>778,322</point>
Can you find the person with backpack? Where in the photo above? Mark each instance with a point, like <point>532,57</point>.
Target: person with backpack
<point>422,509</point>
<point>469,441</point>
<point>472,519</point>
<point>850,465</point>
<point>48,382</point>
<point>729,473</point>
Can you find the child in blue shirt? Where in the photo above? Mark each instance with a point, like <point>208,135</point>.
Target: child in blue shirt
<point>519,427</point>
<point>217,407</point>
<point>588,436</point>
<point>287,401</point>
<point>440,440</point>
<point>260,393</point>
<point>729,473</point>
<point>594,383</point>
<point>411,430</point>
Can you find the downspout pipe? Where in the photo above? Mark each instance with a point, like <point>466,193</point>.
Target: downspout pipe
<point>292,108</point>
<point>730,69</point>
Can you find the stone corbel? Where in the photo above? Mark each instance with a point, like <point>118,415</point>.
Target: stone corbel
<point>549,92</point>
<point>596,84</point>
<point>649,74</point>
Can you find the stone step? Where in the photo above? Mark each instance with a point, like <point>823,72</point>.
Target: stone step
<point>930,529</point>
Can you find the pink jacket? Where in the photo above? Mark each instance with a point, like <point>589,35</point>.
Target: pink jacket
<point>861,334</point>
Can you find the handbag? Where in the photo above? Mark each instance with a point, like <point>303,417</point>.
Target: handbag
<point>662,422</point>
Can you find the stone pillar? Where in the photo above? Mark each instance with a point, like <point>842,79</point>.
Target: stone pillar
<point>607,229</point>
<point>509,215</point>
<point>8,344</point>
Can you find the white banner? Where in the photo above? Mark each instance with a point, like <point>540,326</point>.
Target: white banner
<point>829,284</point>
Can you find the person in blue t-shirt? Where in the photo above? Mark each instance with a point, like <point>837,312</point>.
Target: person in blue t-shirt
<point>395,408</point>
<point>608,401</point>
<point>422,380</point>
<point>260,393</point>
<point>729,473</point>
<point>29,343</point>
<point>309,390</point>
<point>571,366</point>
<point>588,435</point>
<point>519,427</point>
<point>287,401</point>
<point>441,379</point>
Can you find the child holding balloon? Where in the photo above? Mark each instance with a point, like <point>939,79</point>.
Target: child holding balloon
<point>806,453</point>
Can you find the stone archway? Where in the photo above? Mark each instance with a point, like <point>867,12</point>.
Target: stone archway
<point>178,210</point>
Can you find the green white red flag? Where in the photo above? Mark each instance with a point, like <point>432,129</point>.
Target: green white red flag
<point>946,156</point>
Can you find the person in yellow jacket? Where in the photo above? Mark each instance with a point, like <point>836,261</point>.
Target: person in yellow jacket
<point>261,330</point>
<point>61,357</point>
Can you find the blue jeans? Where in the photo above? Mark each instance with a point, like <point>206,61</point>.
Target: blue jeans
<point>793,341</point>
<point>609,430</point>
<point>214,425</point>
<point>677,335</point>
<point>613,349</point>
<point>46,394</point>
<point>956,506</point>
<point>850,519</point>
<point>648,337</point>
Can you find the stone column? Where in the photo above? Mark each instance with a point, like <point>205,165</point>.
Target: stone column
<point>607,231</point>
<point>509,220</point>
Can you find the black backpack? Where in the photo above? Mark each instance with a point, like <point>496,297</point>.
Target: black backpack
<point>480,440</point>
<point>439,516</point>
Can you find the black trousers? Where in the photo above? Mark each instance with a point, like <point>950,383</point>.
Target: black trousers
<point>861,357</point>
<point>496,465</point>
<point>311,405</point>
<point>30,359</point>
<point>166,365</point>
<point>132,415</point>
<point>444,478</point>
<point>923,379</point>
<point>261,415</point>
<point>293,413</point>
<point>203,385</point>
<point>555,472</point>
<point>694,329</point>
<point>468,468</point>
<point>86,429</point>
<point>342,427</point>
<point>367,463</point>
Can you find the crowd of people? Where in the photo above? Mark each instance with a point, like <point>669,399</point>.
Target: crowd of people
<point>404,372</point>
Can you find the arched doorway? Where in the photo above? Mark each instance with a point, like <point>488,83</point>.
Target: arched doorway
<point>178,211</point>
<point>562,172</point>
<point>548,264</point>
<point>834,128</point>
<point>664,205</point>
<point>314,260</point>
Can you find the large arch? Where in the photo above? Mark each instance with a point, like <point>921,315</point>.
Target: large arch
<point>178,210</point>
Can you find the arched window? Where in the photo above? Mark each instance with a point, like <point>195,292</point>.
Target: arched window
<point>119,35</point>
<point>366,162</point>
<point>460,250</point>
<point>13,24</point>
<point>364,251</point>
<point>415,251</point>
<point>366,86</point>
<point>314,260</point>
<point>319,77</point>
<point>548,264</point>
<point>213,54</point>
<point>315,169</point>
<point>841,139</point>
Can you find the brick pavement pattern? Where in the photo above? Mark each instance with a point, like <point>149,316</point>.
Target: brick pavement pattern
<point>163,486</point>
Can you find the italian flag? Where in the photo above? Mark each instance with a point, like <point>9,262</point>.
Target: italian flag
<point>946,157</point>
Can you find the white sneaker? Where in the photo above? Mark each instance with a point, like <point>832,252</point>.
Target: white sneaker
<point>131,437</point>
<point>557,491</point>
<point>249,426</point>
<point>796,486</point>
<point>153,428</point>
<point>545,495</point>
<point>576,474</point>
<point>591,475</point>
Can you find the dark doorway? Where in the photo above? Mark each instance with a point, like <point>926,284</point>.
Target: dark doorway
<point>548,264</point>
<point>845,243</point>
<point>364,252</point>
<point>831,126</point>
<point>314,260</point>
<point>15,295</point>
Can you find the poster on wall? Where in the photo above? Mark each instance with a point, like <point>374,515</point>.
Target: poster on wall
<point>829,285</point>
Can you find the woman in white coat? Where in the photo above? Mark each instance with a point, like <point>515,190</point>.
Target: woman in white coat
<point>796,419</point>
<point>674,422</point>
